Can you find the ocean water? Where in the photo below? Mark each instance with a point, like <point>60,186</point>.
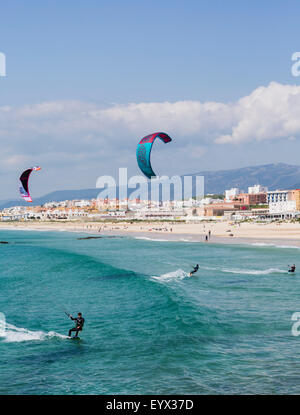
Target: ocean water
<point>150,329</point>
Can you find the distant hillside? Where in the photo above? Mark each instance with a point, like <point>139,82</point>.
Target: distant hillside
<point>275,176</point>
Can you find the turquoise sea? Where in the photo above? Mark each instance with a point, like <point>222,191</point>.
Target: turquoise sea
<point>150,329</point>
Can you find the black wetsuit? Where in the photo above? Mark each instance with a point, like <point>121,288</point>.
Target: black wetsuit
<point>79,325</point>
<point>195,269</point>
<point>292,268</point>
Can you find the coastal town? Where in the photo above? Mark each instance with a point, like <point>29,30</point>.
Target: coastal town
<point>235,205</point>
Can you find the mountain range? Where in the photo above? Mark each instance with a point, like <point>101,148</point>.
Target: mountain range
<point>274,176</point>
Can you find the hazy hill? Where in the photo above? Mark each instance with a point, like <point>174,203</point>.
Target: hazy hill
<point>275,176</point>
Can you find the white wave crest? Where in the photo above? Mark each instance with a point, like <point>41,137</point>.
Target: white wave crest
<point>179,274</point>
<point>255,271</point>
<point>152,239</point>
<point>13,334</point>
<point>275,246</point>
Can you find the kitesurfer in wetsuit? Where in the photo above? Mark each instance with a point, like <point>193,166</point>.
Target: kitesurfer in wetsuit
<point>194,270</point>
<point>79,324</point>
<point>292,268</point>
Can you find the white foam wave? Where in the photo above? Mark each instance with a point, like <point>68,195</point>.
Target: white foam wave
<point>152,239</point>
<point>275,246</point>
<point>179,274</point>
<point>255,271</point>
<point>14,334</point>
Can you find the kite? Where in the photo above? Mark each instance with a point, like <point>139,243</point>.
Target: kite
<point>24,190</point>
<point>143,152</point>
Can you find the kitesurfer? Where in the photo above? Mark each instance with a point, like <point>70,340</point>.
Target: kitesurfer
<point>79,324</point>
<point>292,268</point>
<point>195,269</point>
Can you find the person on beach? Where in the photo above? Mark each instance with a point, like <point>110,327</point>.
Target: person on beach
<point>195,269</point>
<point>209,233</point>
<point>79,324</point>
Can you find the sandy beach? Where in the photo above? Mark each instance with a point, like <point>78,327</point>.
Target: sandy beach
<point>220,232</point>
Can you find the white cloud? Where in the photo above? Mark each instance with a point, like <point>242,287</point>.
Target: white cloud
<point>268,113</point>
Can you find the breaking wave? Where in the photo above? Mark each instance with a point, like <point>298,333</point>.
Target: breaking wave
<point>179,274</point>
<point>13,334</point>
<point>255,271</point>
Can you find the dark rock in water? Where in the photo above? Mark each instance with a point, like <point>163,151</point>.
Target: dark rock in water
<point>91,237</point>
<point>4,242</point>
<point>99,237</point>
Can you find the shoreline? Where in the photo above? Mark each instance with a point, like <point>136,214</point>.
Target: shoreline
<point>284,235</point>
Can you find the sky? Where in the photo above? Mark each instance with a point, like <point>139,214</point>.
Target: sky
<point>85,81</point>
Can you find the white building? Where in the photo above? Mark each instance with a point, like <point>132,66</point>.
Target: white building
<point>81,203</point>
<point>50,205</point>
<point>209,201</point>
<point>159,214</point>
<point>232,193</point>
<point>278,196</point>
<point>282,207</point>
<point>257,188</point>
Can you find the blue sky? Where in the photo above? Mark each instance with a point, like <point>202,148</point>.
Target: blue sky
<point>106,55</point>
<point>124,51</point>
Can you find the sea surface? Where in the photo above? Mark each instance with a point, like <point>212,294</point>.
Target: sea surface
<point>150,329</point>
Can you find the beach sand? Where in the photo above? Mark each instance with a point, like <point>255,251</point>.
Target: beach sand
<point>285,233</point>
